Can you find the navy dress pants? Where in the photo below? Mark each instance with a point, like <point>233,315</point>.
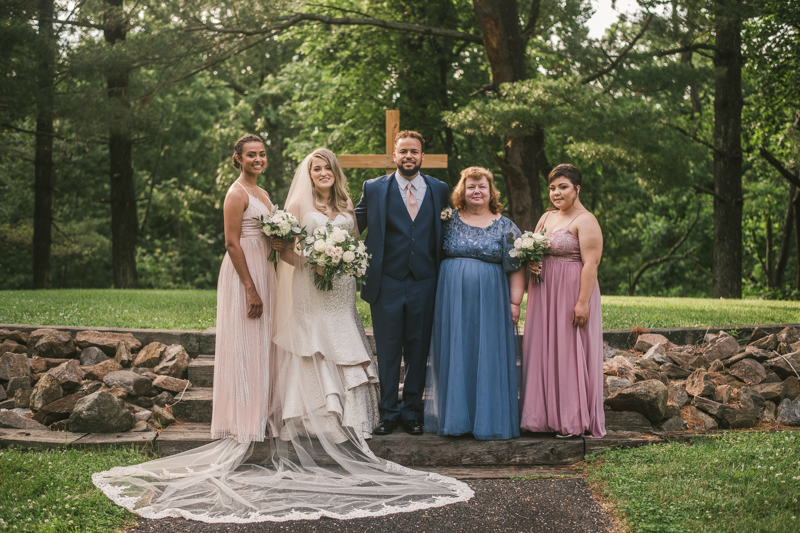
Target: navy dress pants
<point>402,319</point>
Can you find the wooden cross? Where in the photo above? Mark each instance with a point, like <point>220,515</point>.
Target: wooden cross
<point>385,161</point>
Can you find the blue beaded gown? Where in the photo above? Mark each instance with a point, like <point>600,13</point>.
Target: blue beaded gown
<point>471,385</point>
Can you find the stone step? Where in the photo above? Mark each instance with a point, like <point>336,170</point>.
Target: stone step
<point>195,405</point>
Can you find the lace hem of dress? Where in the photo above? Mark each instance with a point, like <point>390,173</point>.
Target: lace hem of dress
<point>462,493</point>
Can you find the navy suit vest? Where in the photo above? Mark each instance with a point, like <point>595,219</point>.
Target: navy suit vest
<point>410,245</point>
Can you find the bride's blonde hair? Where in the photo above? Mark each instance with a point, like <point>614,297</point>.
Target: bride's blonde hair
<point>339,196</point>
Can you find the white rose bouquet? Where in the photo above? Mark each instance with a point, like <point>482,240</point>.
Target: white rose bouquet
<point>447,214</point>
<point>338,253</point>
<point>531,246</point>
<point>281,224</point>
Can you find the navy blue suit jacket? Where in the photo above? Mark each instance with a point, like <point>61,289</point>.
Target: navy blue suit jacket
<point>371,213</point>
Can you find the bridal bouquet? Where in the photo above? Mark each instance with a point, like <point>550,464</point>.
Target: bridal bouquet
<point>531,246</point>
<point>338,253</point>
<point>281,224</point>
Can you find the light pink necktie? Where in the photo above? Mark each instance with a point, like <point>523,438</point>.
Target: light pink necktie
<point>411,202</point>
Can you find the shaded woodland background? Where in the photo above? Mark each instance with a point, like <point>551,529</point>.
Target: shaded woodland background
<point>117,120</point>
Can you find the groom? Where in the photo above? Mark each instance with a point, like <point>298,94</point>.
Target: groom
<point>403,213</point>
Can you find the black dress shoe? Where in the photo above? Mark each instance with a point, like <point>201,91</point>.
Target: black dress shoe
<point>412,427</point>
<point>385,427</point>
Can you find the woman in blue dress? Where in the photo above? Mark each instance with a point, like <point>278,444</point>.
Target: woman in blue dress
<point>471,384</point>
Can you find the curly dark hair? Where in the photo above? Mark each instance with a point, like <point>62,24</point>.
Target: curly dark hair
<point>239,146</point>
<point>405,134</point>
<point>476,173</point>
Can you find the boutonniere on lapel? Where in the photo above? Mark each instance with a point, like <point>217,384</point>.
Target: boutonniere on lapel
<point>447,214</point>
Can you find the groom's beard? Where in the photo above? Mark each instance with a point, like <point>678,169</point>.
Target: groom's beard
<point>408,173</point>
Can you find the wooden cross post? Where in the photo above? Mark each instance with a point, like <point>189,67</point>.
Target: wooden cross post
<point>385,162</point>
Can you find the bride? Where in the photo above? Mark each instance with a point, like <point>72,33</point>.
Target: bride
<point>323,405</point>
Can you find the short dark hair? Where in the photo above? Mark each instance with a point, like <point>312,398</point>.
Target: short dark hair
<point>568,171</point>
<point>405,134</point>
<point>239,146</point>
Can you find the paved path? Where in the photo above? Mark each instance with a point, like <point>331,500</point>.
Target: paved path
<point>557,506</point>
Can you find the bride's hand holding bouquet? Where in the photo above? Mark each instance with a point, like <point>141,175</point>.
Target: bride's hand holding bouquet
<point>531,246</point>
<point>335,253</point>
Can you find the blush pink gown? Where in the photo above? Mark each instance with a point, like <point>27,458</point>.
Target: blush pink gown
<point>243,345</point>
<point>562,365</point>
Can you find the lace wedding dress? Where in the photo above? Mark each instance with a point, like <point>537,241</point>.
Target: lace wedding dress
<point>322,404</point>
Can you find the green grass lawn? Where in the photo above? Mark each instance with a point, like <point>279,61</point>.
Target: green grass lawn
<point>737,482</point>
<point>196,309</point>
<point>52,490</point>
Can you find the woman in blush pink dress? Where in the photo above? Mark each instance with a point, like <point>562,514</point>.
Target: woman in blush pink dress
<point>244,305</point>
<point>562,353</point>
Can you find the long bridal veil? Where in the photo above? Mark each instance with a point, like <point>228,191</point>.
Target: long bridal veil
<point>314,462</point>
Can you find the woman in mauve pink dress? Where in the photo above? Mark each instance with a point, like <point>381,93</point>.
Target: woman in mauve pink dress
<point>562,348</point>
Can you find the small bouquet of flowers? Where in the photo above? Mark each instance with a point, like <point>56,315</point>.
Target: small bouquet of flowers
<point>281,224</point>
<point>531,246</point>
<point>447,214</point>
<point>338,253</point>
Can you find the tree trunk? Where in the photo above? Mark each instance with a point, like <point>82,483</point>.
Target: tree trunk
<point>786,241</point>
<point>120,150</point>
<point>43,157</point>
<point>728,151</point>
<point>796,203</point>
<point>505,49</point>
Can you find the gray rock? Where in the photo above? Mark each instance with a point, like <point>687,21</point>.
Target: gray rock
<point>101,370</point>
<point>784,365</point>
<point>89,386</point>
<point>174,362</point>
<point>22,397</point>
<point>774,392</point>
<point>677,396</point>
<point>722,347</point>
<point>3,393</point>
<point>16,385</point>
<point>144,371</point>
<point>9,346</point>
<point>769,343</point>
<point>700,384</point>
<point>100,413</point>
<point>627,372</point>
<point>655,350</point>
<point>69,375</point>
<point>789,412</point>
<point>171,384</point>
<point>133,383</point>
<point>123,354</point>
<point>758,355</point>
<point>768,415</point>
<point>11,420</point>
<point>731,418</point>
<point>608,352</point>
<point>716,366</point>
<point>142,415</point>
<point>161,417</point>
<point>60,425</point>
<point>141,401</point>
<point>16,336</point>
<point>751,399</point>
<point>675,423</point>
<point>626,422</point>
<point>613,384</point>
<point>14,365</point>
<point>59,409</point>
<point>53,343</point>
<point>700,362</point>
<point>647,340</point>
<point>140,425</point>
<point>162,399</point>
<point>757,334</point>
<point>772,377</point>
<point>749,371</point>
<point>674,371</point>
<point>106,340</point>
<point>707,406</point>
<point>46,391</point>
<point>789,335</point>
<point>792,387</point>
<point>646,397</point>
<point>647,364</point>
<point>722,394</point>
<point>7,404</point>
<point>92,355</point>
<point>150,355</point>
<point>697,419</point>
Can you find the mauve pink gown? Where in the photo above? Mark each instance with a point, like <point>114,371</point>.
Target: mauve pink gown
<point>243,345</point>
<point>562,365</point>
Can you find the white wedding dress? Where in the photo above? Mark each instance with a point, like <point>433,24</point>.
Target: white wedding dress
<point>323,405</point>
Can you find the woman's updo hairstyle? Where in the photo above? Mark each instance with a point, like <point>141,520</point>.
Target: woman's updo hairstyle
<point>565,170</point>
<point>459,196</point>
<point>239,147</point>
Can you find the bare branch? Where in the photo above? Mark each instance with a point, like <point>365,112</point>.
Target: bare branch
<point>790,176</point>
<point>695,47</point>
<point>693,137</point>
<point>298,18</point>
<point>483,89</point>
<point>621,55</point>
<point>81,23</point>
<point>710,192</point>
